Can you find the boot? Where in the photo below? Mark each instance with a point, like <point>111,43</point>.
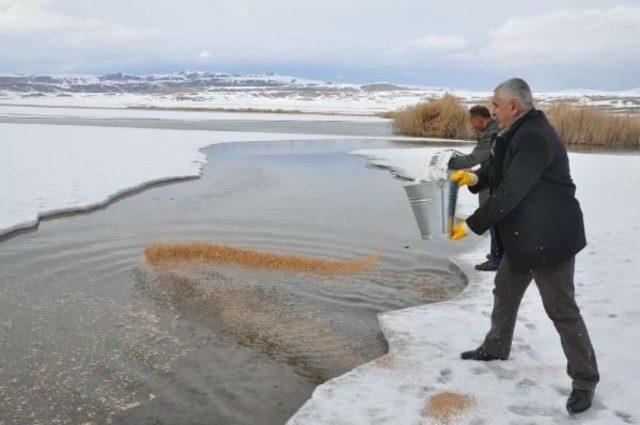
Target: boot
<point>579,400</point>
<point>487,266</point>
<point>480,355</point>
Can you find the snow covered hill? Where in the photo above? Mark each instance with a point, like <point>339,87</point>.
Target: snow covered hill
<point>257,91</point>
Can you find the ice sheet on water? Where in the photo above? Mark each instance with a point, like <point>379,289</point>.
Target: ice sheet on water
<point>49,169</point>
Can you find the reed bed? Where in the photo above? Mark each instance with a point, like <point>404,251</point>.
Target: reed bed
<point>205,252</point>
<point>445,117</point>
<point>594,127</point>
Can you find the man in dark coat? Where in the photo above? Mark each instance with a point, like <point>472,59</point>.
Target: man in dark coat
<point>486,129</point>
<point>539,222</point>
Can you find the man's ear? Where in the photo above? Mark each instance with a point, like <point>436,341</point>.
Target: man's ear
<point>513,105</point>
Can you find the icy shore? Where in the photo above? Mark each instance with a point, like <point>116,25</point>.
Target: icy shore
<point>531,387</point>
<point>50,169</point>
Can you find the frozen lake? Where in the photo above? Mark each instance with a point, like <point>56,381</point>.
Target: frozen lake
<point>193,120</point>
<point>83,338</point>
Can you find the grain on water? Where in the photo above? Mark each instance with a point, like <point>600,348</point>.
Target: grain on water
<point>205,252</point>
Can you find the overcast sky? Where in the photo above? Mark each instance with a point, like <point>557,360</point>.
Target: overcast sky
<point>452,43</point>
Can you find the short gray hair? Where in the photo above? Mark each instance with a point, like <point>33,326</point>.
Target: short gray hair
<point>516,88</point>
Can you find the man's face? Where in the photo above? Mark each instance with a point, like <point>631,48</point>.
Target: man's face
<point>477,123</point>
<point>505,110</point>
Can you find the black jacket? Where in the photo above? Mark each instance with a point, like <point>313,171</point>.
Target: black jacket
<point>532,202</point>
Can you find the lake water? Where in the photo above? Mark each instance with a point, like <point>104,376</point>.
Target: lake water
<point>86,337</point>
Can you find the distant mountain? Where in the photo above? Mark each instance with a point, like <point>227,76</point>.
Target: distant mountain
<point>198,82</point>
<point>187,81</point>
<point>261,91</point>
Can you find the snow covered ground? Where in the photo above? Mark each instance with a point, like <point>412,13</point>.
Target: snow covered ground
<point>532,386</point>
<point>339,101</point>
<point>48,169</point>
<point>335,102</point>
<point>259,91</point>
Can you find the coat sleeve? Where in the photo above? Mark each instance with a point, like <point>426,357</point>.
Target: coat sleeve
<point>530,158</point>
<point>479,155</point>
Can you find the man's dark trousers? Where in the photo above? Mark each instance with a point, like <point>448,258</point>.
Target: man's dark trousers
<point>555,284</point>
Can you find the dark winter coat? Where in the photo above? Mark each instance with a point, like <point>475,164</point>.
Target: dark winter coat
<point>532,203</point>
<point>480,154</point>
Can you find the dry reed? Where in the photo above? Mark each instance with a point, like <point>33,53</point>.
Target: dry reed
<point>204,252</point>
<point>445,117</point>
<point>446,406</point>
<point>594,127</point>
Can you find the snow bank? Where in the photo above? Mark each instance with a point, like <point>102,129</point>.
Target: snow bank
<point>49,169</point>
<point>532,386</point>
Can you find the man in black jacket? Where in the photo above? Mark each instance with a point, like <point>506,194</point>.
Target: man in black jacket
<point>532,204</point>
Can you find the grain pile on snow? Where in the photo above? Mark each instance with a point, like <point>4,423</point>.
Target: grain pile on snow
<point>446,406</point>
<point>204,252</point>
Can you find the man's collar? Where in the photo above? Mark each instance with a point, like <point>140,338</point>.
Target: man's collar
<point>491,123</point>
<point>506,132</point>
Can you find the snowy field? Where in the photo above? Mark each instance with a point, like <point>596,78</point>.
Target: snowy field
<point>338,102</point>
<point>532,386</point>
<point>259,91</point>
<point>49,169</point>
<point>333,102</point>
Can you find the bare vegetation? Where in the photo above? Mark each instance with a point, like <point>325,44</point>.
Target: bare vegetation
<point>447,117</point>
<point>593,127</point>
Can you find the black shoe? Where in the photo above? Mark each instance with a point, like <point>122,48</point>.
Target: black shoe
<point>487,266</point>
<point>579,400</point>
<point>480,355</point>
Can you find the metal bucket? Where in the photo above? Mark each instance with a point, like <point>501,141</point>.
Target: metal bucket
<point>434,206</point>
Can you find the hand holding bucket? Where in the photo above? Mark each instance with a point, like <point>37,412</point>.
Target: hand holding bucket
<point>464,178</point>
<point>433,197</point>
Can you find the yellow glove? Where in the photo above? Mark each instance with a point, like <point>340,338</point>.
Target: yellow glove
<point>463,178</point>
<point>459,231</point>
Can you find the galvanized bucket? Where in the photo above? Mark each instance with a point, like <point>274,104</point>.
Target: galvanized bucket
<point>434,206</point>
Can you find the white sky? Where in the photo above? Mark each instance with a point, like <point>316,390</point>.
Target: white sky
<point>462,44</point>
